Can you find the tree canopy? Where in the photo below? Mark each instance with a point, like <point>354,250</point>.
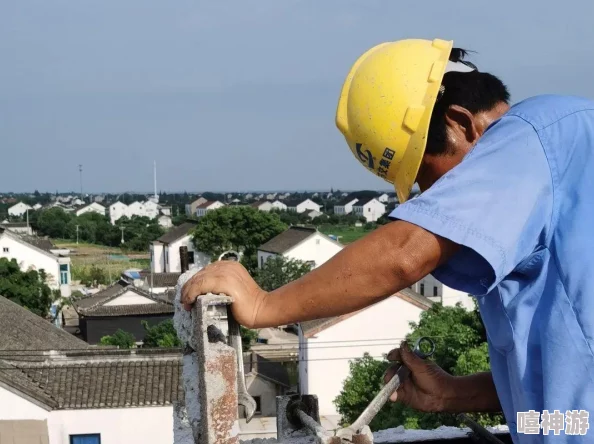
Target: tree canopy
<point>94,228</point>
<point>26,288</point>
<point>161,335</point>
<point>120,338</point>
<point>278,271</point>
<point>460,349</point>
<point>237,228</point>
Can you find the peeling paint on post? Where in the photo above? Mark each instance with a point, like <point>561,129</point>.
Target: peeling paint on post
<point>217,383</point>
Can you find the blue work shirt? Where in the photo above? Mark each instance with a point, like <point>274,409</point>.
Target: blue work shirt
<point>521,205</point>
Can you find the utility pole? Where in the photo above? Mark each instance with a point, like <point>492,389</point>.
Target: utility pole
<point>81,187</point>
<point>77,235</point>
<point>122,228</point>
<point>27,210</point>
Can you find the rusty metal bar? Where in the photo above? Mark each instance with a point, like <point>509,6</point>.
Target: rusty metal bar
<point>217,377</point>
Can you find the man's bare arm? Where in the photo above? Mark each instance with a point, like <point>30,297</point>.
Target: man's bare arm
<point>382,263</point>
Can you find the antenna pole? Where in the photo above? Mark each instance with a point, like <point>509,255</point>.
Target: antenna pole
<point>81,187</point>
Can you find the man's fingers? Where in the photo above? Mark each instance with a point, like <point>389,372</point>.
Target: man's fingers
<point>394,355</point>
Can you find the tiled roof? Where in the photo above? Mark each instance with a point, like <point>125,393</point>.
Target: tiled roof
<point>206,204</point>
<point>346,200</point>
<point>274,371</point>
<point>97,380</point>
<point>95,305</point>
<point>14,225</point>
<point>160,279</point>
<point>177,233</point>
<point>364,201</point>
<point>42,243</point>
<point>311,328</point>
<point>22,330</point>
<point>287,240</point>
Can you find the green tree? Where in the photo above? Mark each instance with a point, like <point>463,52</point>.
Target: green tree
<point>278,271</point>
<point>161,335</point>
<point>54,223</point>
<point>27,288</point>
<point>237,228</point>
<point>248,337</point>
<point>460,349</point>
<point>120,338</point>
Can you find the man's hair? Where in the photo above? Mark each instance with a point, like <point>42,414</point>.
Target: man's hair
<point>476,91</point>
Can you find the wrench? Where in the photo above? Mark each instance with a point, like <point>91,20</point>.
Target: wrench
<point>384,394</point>
<point>243,397</point>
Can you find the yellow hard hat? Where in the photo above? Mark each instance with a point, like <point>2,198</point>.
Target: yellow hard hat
<point>385,107</point>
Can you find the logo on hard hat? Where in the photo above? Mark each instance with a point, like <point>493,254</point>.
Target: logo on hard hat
<point>365,156</point>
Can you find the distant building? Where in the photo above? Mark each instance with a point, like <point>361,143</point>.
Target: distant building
<point>165,221</point>
<point>19,209</point>
<point>313,214</point>
<point>323,368</point>
<point>437,292</point>
<point>92,208</point>
<point>370,208</point>
<point>207,206</point>
<point>302,243</point>
<point>120,306</point>
<point>266,205</point>
<point>34,253</point>
<point>18,227</point>
<point>66,392</point>
<point>37,206</point>
<point>191,207</point>
<point>301,206</point>
<point>345,206</point>
<point>165,251</point>
<point>117,210</point>
<point>383,198</point>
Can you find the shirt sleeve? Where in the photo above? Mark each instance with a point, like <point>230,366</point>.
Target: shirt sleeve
<point>496,204</point>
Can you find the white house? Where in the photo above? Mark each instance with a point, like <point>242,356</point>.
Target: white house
<point>18,227</point>
<point>323,366</point>
<point>383,198</point>
<point>191,207</point>
<point>207,206</point>
<point>437,292</point>
<point>345,206</point>
<point>302,206</point>
<point>34,253</point>
<point>370,208</point>
<point>313,214</point>
<point>165,253</point>
<point>117,210</point>
<point>165,221</point>
<point>92,208</point>
<point>301,243</point>
<point>267,205</point>
<point>37,206</point>
<point>19,209</point>
<point>94,396</point>
<point>262,205</point>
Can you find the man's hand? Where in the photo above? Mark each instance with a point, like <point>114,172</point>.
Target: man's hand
<point>428,388</point>
<point>231,279</point>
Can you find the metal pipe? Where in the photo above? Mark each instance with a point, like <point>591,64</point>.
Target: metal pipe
<point>480,431</point>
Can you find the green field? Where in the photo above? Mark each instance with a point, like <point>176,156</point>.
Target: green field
<point>112,261</point>
<point>345,233</point>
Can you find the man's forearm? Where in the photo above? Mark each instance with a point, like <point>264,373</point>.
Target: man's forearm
<point>473,393</point>
<point>387,260</point>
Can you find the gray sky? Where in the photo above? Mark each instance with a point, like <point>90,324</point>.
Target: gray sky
<point>236,95</point>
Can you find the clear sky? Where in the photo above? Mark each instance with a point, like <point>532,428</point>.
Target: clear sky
<point>236,95</point>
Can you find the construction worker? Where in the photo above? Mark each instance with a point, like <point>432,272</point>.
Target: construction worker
<point>506,213</point>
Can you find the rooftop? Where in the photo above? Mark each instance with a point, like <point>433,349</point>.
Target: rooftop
<point>96,379</point>
<point>95,305</point>
<point>160,279</point>
<point>273,371</point>
<point>177,233</point>
<point>364,201</point>
<point>287,240</point>
<point>22,330</point>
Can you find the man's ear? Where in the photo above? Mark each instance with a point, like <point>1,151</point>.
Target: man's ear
<point>461,124</point>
